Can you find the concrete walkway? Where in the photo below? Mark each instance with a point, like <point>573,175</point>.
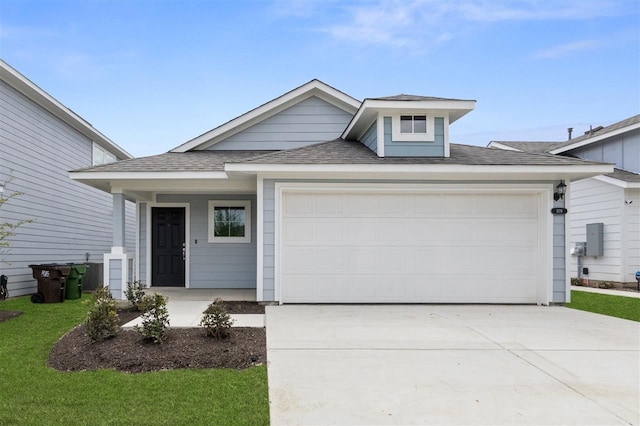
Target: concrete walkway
<point>185,306</point>
<point>623,293</point>
<point>451,364</point>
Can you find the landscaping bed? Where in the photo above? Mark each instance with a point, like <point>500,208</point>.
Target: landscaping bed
<point>184,348</point>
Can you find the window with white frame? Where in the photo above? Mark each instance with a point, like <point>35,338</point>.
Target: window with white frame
<point>229,221</point>
<point>102,156</point>
<point>413,124</point>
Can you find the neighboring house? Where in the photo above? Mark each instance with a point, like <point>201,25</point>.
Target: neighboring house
<point>611,199</point>
<point>40,141</point>
<point>315,197</point>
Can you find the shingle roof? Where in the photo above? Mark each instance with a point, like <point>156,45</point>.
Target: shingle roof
<point>209,161</point>
<point>337,151</point>
<point>624,175</point>
<point>615,126</point>
<point>532,147</point>
<point>349,152</point>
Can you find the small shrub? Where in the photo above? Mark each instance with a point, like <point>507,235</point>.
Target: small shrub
<point>216,320</point>
<point>576,281</point>
<point>135,293</point>
<point>102,319</point>
<point>155,318</point>
<point>605,284</point>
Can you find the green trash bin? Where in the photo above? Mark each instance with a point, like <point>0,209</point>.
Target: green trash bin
<point>73,284</point>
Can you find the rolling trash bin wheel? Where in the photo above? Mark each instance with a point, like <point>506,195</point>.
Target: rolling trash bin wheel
<point>37,298</point>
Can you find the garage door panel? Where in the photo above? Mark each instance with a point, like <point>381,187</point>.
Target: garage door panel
<point>296,230</point>
<point>367,247</point>
<point>328,204</point>
<point>361,205</point>
<point>390,231</point>
<point>361,231</point>
<point>457,204</point>
<point>393,205</point>
<point>298,204</point>
<point>427,230</point>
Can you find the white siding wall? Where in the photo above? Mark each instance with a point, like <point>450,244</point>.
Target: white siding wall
<point>631,234</point>
<point>70,219</point>
<point>594,201</point>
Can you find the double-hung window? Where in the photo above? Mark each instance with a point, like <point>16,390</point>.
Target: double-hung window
<point>410,126</point>
<point>229,221</point>
<point>413,124</point>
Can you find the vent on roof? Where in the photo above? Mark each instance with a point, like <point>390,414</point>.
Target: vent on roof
<point>592,130</point>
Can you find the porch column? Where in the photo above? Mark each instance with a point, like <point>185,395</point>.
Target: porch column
<point>118,220</point>
<point>116,263</point>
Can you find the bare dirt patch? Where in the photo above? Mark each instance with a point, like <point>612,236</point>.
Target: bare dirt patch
<point>184,348</point>
<point>7,315</point>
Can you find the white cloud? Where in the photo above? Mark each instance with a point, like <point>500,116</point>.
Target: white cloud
<point>501,11</point>
<point>568,48</point>
<point>431,22</point>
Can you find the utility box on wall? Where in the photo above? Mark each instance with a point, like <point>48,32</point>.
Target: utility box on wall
<point>595,233</point>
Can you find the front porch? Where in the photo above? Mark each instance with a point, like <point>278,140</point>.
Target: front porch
<point>181,294</point>
<point>185,306</point>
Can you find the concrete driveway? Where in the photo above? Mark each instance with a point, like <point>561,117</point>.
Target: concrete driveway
<point>450,364</point>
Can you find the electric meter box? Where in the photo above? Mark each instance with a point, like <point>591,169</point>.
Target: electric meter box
<point>578,249</point>
<point>595,232</point>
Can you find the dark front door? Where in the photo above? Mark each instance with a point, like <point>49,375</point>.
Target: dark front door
<point>167,244</point>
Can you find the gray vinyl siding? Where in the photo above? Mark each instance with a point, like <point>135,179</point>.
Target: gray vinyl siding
<point>217,265</point>
<point>370,137</point>
<point>559,249</point>
<point>115,272</point>
<point>268,239</point>
<point>310,121</point>
<point>72,221</point>
<point>414,149</point>
<point>622,150</point>
<point>559,259</point>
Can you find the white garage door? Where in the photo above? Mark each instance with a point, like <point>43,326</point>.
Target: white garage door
<point>350,247</point>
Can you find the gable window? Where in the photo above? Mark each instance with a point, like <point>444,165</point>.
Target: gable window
<point>413,124</point>
<point>102,156</point>
<point>229,221</point>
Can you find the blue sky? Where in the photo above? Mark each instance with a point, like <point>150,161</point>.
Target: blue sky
<point>152,74</point>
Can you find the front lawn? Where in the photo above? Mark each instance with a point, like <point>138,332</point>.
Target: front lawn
<point>33,394</point>
<point>614,306</point>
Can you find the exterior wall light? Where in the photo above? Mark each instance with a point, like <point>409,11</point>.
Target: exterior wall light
<point>561,189</point>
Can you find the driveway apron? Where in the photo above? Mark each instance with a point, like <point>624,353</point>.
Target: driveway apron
<point>450,364</point>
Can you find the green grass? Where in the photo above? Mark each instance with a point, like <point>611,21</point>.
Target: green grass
<point>33,394</point>
<point>614,306</point>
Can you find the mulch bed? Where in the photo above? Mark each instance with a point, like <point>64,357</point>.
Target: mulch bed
<point>184,348</point>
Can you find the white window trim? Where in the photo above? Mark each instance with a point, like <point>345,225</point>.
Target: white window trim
<point>397,136</point>
<point>246,204</point>
<point>105,155</point>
